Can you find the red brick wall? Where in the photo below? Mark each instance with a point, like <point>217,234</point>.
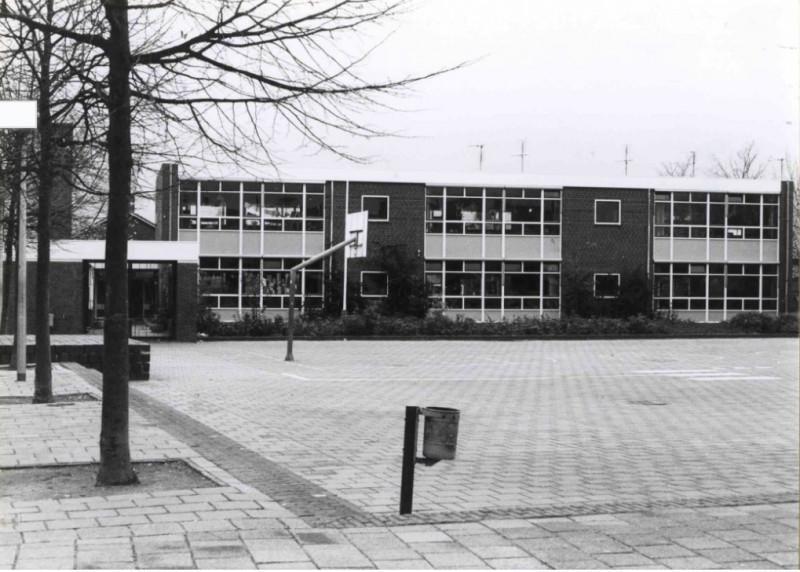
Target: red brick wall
<point>587,247</point>
<point>406,224</point>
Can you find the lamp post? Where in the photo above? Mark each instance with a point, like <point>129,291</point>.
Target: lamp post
<point>21,114</point>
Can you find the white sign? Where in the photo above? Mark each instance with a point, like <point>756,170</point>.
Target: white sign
<point>356,225</point>
<point>18,115</point>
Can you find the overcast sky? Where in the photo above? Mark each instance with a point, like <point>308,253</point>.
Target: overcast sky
<point>578,80</point>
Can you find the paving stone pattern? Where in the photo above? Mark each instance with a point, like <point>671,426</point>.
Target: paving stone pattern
<point>234,440</point>
<point>543,423</point>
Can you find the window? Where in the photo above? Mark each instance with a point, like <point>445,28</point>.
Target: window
<point>458,210</point>
<point>607,211</point>
<point>374,284</point>
<point>477,285</point>
<point>377,207</point>
<point>606,285</point>
<point>716,216</point>
<point>716,287</point>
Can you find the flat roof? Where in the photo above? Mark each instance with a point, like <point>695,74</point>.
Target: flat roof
<point>525,180</point>
<point>138,251</point>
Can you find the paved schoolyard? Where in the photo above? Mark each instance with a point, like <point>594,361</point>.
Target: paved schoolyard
<point>543,422</point>
<point>648,454</point>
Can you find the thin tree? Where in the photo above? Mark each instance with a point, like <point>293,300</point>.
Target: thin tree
<point>744,164</point>
<point>676,168</point>
<point>215,79</point>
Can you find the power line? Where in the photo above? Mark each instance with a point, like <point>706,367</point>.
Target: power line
<point>522,154</point>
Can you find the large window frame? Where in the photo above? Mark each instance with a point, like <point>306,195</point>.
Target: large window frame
<point>253,283</point>
<point>492,211</point>
<point>735,216</point>
<point>715,287</point>
<point>492,285</point>
<point>251,206</point>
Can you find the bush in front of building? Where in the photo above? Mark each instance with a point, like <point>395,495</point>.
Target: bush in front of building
<point>371,323</point>
<point>757,323</point>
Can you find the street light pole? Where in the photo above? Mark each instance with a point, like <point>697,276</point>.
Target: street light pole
<point>22,279</point>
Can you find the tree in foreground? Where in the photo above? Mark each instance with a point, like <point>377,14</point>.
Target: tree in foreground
<point>214,79</point>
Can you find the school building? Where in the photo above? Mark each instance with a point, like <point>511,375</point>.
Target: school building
<point>489,246</point>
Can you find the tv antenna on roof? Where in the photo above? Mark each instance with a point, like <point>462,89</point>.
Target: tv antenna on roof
<point>626,160</point>
<point>522,154</point>
<point>480,155</point>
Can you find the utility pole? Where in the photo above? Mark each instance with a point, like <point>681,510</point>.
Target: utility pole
<point>522,154</point>
<point>480,155</point>
<point>694,158</point>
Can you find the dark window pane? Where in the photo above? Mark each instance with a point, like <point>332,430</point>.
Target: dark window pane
<point>434,209</point>
<point>522,285</point>
<point>314,225</point>
<point>188,223</point>
<point>252,204</point>
<point>434,191</point>
<point>606,285</point>
<point>188,185</point>
<point>469,210</point>
<point>662,213</point>
<point>743,286</point>
<point>283,205</point>
<point>551,283</point>
<point>769,287</point>
<point>552,211</point>
<point>770,215</point>
<point>230,186</point>
<point>433,227</point>
<point>314,206</point>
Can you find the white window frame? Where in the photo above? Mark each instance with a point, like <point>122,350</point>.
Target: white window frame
<point>388,204</point>
<point>594,285</point>
<point>361,284</point>
<point>619,212</point>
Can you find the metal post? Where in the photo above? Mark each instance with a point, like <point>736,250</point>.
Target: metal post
<point>22,260</point>
<point>290,332</point>
<point>409,459</point>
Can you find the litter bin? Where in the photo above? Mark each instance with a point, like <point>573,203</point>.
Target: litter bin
<point>441,432</point>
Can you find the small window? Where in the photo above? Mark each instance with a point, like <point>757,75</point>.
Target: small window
<point>378,207</point>
<point>607,212</point>
<point>606,285</point>
<point>375,284</point>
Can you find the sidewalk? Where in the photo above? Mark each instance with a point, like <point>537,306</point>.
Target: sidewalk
<point>300,523</point>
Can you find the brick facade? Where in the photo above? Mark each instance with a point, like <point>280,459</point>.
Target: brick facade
<point>589,247</point>
<point>167,202</point>
<point>186,302</point>
<point>405,227</point>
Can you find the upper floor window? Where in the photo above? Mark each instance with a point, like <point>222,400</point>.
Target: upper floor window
<point>716,215</point>
<point>458,210</point>
<point>376,206</point>
<point>607,211</point>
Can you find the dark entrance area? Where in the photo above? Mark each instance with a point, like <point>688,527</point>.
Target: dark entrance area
<point>151,299</point>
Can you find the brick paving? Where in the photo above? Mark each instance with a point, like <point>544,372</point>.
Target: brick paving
<point>226,407</point>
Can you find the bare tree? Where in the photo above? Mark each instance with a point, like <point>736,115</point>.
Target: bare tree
<point>38,56</point>
<point>676,168</point>
<point>213,80</point>
<point>744,164</point>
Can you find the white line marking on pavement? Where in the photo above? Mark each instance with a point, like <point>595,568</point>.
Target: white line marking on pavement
<point>300,377</point>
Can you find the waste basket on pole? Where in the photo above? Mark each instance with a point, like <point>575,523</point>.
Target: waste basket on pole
<point>440,435</point>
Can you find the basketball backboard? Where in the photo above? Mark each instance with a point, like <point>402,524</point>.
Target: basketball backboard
<point>356,225</point>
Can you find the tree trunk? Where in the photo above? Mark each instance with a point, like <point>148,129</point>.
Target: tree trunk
<point>10,240</point>
<point>43,382</point>
<point>115,455</point>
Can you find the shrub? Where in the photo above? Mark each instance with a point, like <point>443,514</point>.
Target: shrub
<point>755,322</point>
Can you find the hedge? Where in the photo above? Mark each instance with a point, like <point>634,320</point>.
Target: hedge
<point>372,324</point>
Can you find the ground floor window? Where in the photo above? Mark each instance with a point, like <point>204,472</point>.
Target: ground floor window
<point>374,284</point>
<point>689,286</point>
<point>257,283</point>
<point>151,304</point>
<point>494,285</point>
<point>606,285</point>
